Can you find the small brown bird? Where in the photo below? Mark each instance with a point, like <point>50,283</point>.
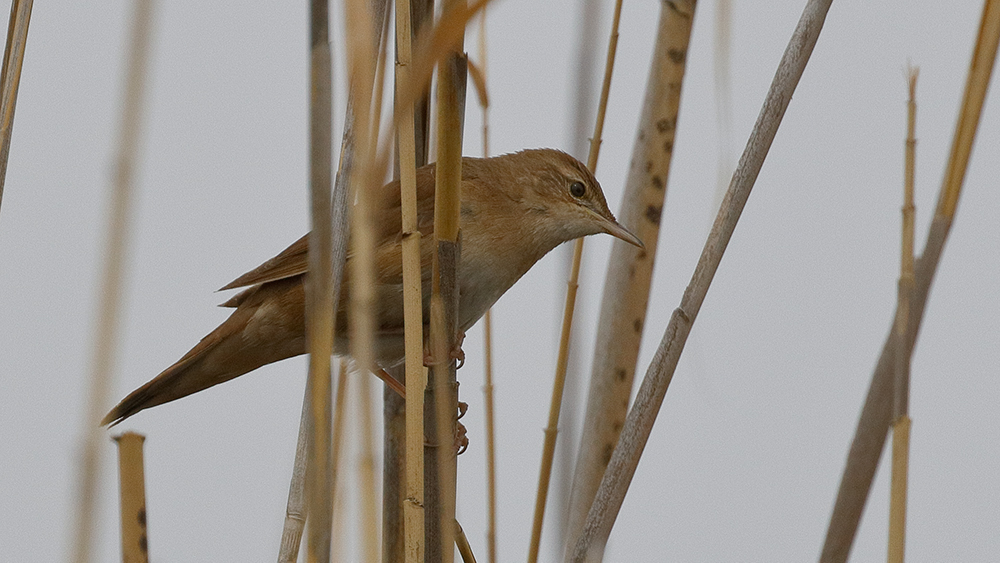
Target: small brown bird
<point>514,209</point>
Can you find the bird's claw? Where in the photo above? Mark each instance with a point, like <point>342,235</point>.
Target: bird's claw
<point>456,354</point>
<point>461,439</point>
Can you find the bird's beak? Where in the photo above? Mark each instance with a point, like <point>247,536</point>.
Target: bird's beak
<point>614,228</point>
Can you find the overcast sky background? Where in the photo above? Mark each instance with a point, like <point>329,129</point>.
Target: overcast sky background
<point>745,459</point>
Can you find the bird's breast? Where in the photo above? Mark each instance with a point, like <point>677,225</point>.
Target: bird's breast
<point>484,276</point>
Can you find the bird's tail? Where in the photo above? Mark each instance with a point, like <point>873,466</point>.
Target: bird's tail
<point>259,332</point>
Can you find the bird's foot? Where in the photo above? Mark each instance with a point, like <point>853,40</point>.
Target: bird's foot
<point>461,434</point>
<point>456,354</point>
<point>461,439</point>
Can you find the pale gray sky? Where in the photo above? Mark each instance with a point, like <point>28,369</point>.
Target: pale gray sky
<point>744,462</point>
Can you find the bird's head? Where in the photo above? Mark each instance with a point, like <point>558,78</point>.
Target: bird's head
<point>565,198</point>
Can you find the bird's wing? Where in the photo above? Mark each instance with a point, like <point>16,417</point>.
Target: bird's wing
<point>292,261</point>
<point>387,222</point>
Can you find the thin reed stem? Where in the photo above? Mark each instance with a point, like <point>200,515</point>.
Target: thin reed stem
<point>395,442</point>
<point>462,543</point>
<point>320,301</point>
<point>721,63</point>
<point>630,269</point>
<point>296,509</point>
<point>416,374</point>
<point>901,419</point>
<point>488,411</point>
<point>366,470</point>
<point>132,479</point>
<point>10,77</point>
<point>584,93</point>
<point>441,398</point>
<point>107,331</point>
<point>552,428</point>
<point>876,415</point>
<point>639,423</point>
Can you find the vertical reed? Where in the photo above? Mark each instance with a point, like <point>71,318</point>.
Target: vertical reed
<point>320,304</point>
<point>416,374</point>
<point>552,428</point>
<point>132,479</point>
<point>488,412</point>
<point>630,269</point>
<point>108,323</point>
<point>901,418</point>
<point>440,407</point>
<point>876,415</point>
<point>10,77</point>
<point>625,458</point>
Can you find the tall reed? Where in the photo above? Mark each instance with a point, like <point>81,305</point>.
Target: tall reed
<point>10,77</point>
<point>876,415</point>
<point>552,428</point>
<point>625,458</point>
<point>132,479</point>
<point>901,417</point>
<point>107,331</point>
<point>630,269</point>
<point>441,398</point>
<point>320,300</point>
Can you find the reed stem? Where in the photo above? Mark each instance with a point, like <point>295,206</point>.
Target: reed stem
<point>901,419</point>
<point>488,407</point>
<point>10,77</point>
<point>630,269</point>
<point>572,285</point>
<point>107,332</point>
<point>876,415</point>
<point>132,479</point>
<point>639,423</point>
<point>320,302</point>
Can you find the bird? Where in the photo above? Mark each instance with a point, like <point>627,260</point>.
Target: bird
<point>515,208</point>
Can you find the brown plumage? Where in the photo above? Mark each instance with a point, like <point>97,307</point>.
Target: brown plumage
<point>515,209</point>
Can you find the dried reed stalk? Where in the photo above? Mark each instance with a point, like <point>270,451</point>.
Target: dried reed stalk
<point>630,269</point>
<point>108,325</point>
<point>416,374</point>
<point>876,416</point>
<point>552,428</point>
<point>901,419</point>
<point>366,471</point>
<point>491,456</point>
<point>438,43</point>
<point>584,95</point>
<point>296,510</point>
<point>441,397</point>
<point>363,42</point>
<point>625,458</point>
<point>320,301</point>
<point>10,77</point>
<point>897,503</point>
<point>364,28</point>
<point>462,542</point>
<point>394,479</point>
<point>132,476</point>
<point>723,94</point>
<point>338,442</point>
<point>362,310</point>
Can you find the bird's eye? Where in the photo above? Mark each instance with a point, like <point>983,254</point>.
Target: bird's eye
<point>577,189</point>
